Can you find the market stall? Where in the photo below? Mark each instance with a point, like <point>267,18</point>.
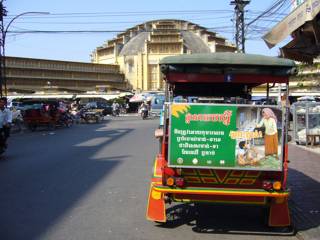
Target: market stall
<point>306,122</point>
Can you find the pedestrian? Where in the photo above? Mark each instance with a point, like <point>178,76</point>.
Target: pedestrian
<point>127,107</point>
<point>115,108</point>
<point>7,119</point>
<point>5,122</point>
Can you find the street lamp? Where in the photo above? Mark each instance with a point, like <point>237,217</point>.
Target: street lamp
<point>4,30</point>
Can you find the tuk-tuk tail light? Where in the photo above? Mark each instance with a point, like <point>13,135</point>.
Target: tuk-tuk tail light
<point>276,185</point>
<point>175,181</point>
<point>271,185</point>
<point>267,185</point>
<point>179,182</point>
<point>170,181</point>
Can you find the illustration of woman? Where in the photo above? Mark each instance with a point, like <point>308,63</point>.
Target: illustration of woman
<point>269,121</point>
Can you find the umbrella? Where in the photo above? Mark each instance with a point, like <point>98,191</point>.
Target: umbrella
<point>137,98</point>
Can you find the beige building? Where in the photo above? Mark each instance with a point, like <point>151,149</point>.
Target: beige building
<point>307,82</point>
<point>29,75</point>
<point>138,50</point>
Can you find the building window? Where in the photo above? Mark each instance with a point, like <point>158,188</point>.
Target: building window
<point>153,76</point>
<point>130,65</point>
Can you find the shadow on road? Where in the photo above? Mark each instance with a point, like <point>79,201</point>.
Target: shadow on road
<point>223,219</point>
<point>46,175</point>
<point>304,201</point>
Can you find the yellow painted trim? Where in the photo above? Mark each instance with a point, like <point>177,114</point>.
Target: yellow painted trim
<point>223,192</point>
<point>236,180</point>
<point>219,201</point>
<point>204,180</point>
<point>194,172</point>
<point>250,175</point>
<point>205,174</point>
<point>193,179</point>
<point>253,180</point>
<point>156,195</point>
<point>155,169</point>
<point>225,177</point>
<point>234,175</point>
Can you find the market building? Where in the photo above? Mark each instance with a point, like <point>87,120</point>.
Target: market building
<point>28,75</point>
<point>138,50</point>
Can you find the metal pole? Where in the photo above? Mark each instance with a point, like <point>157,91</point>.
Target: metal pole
<point>3,13</point>
<point>240,26</point>
<point>4,31</point>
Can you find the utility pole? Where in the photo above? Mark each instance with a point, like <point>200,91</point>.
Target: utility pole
<point>3,13</point>
<point>3,31</point>
<point>239,12</point>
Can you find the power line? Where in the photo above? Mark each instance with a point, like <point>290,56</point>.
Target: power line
<point>115,22</point>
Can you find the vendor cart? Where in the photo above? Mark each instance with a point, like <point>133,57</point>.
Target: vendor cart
<point>222,152</point>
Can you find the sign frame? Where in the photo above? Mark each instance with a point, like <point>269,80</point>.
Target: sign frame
<point>174,164</point>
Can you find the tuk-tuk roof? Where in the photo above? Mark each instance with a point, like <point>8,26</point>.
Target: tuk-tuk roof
<point>228,58</point>
<point>227,68</point>
<point>216,74</point>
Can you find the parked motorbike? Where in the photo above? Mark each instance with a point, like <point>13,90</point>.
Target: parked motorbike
<point>88,116</point>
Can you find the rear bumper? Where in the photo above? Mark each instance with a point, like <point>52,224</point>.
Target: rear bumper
<point>221,191</point>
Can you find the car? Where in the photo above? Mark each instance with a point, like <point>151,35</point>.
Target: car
<point>104,107</point>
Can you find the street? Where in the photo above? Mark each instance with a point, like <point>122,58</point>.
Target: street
<point>91,182</point>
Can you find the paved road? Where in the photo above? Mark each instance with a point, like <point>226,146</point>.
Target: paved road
<point>91,182</point>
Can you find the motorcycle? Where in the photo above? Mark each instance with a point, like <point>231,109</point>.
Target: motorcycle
<point>66,119</point>
<point>144,114</point>
<point>89,116</point>
<point>116,112</point>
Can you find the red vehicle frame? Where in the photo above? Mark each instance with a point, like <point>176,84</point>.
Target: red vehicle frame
<point>45,114</point>
<point>220,74</point>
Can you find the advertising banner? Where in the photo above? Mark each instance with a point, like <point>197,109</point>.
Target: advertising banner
<point>225,136</point>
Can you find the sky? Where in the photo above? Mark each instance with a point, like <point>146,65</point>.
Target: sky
<point>117,16</point>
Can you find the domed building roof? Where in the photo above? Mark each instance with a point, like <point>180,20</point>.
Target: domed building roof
<point>135,44</point>
<point>138,50</point>
<point>194,43</point>
<point>191,41</point>
<point>192,37</point>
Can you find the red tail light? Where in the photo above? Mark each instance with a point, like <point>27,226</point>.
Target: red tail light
<point>267,185</point>
<point>179,182</point>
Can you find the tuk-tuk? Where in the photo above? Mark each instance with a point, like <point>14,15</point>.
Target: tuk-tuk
<point>233,152</point>
<point>42,113</point>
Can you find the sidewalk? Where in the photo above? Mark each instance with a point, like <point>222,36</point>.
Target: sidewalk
<point>304,181</point>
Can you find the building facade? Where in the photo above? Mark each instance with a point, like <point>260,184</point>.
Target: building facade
<point>40,75</point>
<point>139,50</point>
<point>307,82</point>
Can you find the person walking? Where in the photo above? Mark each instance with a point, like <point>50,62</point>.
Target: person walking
<point>7,120</point>
<point>5,124</point>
